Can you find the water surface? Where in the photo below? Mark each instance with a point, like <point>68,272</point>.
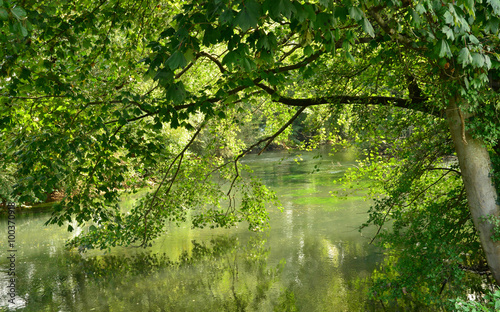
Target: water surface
<point>312,259</point>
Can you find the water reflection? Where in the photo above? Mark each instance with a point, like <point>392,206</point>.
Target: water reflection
<point>312,258</point>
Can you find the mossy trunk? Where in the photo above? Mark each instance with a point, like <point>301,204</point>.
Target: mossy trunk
<point>475,165</point>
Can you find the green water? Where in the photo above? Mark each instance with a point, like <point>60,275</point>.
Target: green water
<point>312,259</point>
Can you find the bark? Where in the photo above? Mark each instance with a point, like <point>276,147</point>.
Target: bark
<point>475,165</point>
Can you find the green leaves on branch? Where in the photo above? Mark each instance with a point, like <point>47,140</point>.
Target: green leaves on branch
<point>176,60</point>
<point>15,16</point>
<point>248,17</point>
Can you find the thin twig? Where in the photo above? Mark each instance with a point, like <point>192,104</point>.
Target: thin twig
<point>179,157</point>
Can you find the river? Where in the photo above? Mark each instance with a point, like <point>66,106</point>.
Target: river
<point>312,259</point>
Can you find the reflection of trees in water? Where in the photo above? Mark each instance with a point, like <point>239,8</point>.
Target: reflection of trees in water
<point>330,276</point>
<point>222,275</point>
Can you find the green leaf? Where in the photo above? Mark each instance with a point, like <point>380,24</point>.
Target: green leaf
<point>18,13</point>
<point>211,36</point>
<point>308,50</point>
<point>495,4</point>
<point>249,14</point>
<point>164,76</point>
<point>283,7</point>
<point>473,39</point>
<point>248,65</point>
<point>444,49</point>
<point>420,8</point>
<point>449,18</point>
<point>176,60</point>
<point>367,27</point>
<point>341,13</point>
<point>448,32</point>
<point>176,92</point>
<point>464,57</point>
<point>349,56</point>
<point>492,25</point>
<point>477,60</point>
<point>356,13</point>
<point>19,29</point>
<point>415,17</point>
<point>4,15</point>
<point>487,61</point>
<point>230,59</point>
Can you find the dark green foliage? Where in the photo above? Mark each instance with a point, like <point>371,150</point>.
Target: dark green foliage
<point>101,98</point>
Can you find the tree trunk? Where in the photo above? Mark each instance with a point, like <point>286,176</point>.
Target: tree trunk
<point>475,165</point>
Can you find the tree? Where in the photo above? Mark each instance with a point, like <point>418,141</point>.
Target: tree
<point>73,89</point>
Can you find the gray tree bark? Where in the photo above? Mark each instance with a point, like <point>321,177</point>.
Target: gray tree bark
<point>475,165</point>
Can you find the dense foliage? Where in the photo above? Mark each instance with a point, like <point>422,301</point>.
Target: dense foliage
<point>103,97</point>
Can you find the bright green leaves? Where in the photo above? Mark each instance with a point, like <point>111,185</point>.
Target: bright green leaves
<point>248,17</point>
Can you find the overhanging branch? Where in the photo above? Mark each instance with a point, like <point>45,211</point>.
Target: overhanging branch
<point>419,104</point>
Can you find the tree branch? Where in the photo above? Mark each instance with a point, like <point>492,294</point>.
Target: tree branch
<point>179,157</point>
<point>419,104</point>
<point>269,139</point>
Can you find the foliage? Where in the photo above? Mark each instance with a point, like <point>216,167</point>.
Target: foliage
<point>101,97</point>
<point>420,210</point>
<point>491,302</point>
